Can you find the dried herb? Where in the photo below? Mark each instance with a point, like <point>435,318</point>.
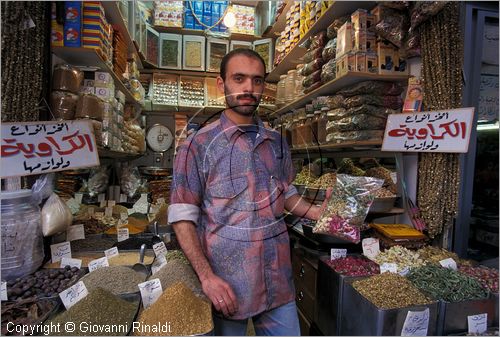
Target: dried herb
<point>354,266</point>
<point>401,256</point>
<point>178,271</point>
<point>24,312</point>
<point>115,279</point>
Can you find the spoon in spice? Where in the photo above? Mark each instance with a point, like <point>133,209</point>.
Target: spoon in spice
<point>140,267</point>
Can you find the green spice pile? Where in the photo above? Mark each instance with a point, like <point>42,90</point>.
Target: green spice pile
<point>186,313</point>
<point>389,291</point>
<point>101,308</point>
<point>400,256</point>
<point>116,279</point>
<point>435,254</point>
<point>446,284</point>
<point>178,271</point>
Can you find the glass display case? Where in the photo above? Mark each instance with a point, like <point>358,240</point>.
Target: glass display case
<point>265,49</point>
<point>216,49</point>
<point>170,51</point>
<point>194,52</point>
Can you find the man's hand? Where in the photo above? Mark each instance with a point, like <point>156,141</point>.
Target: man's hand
<point>328,195</point>
<point>221,294</point>
<point>300,207</point>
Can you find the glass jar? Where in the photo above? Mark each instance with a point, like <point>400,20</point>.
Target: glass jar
<point>290,86</point>
<point>299,88</point>
<point>308,130</point>
<point>280,91</point>
<point>315,121</point>
<point>301,129</point>
<point>22,240</point>
<point>322,121</point>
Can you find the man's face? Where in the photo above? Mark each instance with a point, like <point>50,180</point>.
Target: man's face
<point>243,85</point>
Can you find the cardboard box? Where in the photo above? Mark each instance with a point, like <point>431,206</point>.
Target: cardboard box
<point>345,63</point>
<point>344,39</point>
<point>388,58</point>
<point>72,12</point>
<point>103,79</point>
<point>106,94</point>
<point>372,63</point>
<point>359,40</point>
<point>358,19</point>
<point>56,34</point>
<point>72,35</point>
<point>371,42</point>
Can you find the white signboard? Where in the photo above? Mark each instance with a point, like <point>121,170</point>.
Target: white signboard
<point>477,324</point>
<point>42,147</point>
<point>433,131</point>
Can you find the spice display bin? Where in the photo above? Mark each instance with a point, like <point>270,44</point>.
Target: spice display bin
<point>213,96</point>
<point>333,285</point>
<point>380,205</point>
<point>189,97</point>
<point>360,317</point>
<point>453,315</point>
<point>240,44</point>
<point>265,49</point>
<point>216,49</point>
<point>170,51</point>
<point>193,57</point>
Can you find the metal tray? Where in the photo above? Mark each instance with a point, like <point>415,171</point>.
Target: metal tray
<point>361,317</point>
<point>381,205</point>
<point>453,315</point>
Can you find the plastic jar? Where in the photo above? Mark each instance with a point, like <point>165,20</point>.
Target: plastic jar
<point>280,91</point>
<point>22,240</point>
<point>322,121</point>
<point>290,86</point>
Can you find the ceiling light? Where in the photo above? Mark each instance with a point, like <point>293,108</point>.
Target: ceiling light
<point>230,18</point>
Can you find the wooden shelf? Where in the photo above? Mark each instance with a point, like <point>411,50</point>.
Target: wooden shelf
<point>335,85</point>
<point>196,110</point>
<point>279,25</point>
<point>89,57</point>
<point>114,17</point>
<point>361,145</point>
<point>109,154</point>
<point>336,10</point>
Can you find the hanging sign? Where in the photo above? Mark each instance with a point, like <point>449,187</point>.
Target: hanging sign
<point>42,147</point>
<point>433,131</point>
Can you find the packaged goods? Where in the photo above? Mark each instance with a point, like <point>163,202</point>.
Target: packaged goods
<point>354,266</point>
<point>63,104</point>
<point>98,180</point>
<point>335,101</point>
<point>187,314</point>
<point>100,307</point>
<point>313,86</point>
<point>344,39</point>
<point>361,20</point>
<point>374,88</point>
<point>390,291</point>
<point>367,109</point>
<point>25,313</point>
<point>328,71</point>
<point>329,51</point>
<point>43,283</point>
<point>422,11</point>
<point>414,96</point>
<point>399,5</point>
<point>348,206</point>
<point>67,78</point>
<point>446,284</point>
<point>393,27</point>
<point>390,102</point>
<point>318,40</point>
<point>311,79</point>
<point>312,54</point>
<point>130,180</point>
<point>115,279</point>
<point>357,122</point>
<point>333,28</point>
<point>488,277</point>
<point>345,64</point>
<point>411,47</point>
<point>312,66</point>
<point>56,216</point>
<point>345,136</point>
<point>89,106</point>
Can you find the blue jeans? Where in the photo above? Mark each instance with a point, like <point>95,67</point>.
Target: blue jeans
<point>280,321</point>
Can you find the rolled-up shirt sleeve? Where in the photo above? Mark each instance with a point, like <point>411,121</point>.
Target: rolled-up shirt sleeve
<point>289,172</point>
<point>187,185</point>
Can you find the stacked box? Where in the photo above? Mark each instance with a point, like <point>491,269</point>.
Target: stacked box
<point>245,17</point>
<point>388,58</point>
<point>344,40</point>
<point>97,33</point>
<point>207,13</point>
<point>189,19</point>
<point>56,29</point>
<point>168,13</point>
<point>221,27</point>
<point>294,24</point>
<point>72,23</point>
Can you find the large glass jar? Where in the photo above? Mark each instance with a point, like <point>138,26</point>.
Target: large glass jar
<point>315,121</point>
<point>308,130</point>
<point>301,129</point>
<point>22,240</point>
<point>280,91</point>
<point>290,86</point>
<point>322,121</point>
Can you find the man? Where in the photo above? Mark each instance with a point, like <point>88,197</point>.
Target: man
<point>232,182</point>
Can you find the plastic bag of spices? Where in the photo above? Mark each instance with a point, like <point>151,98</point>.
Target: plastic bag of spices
<point>313,54</point>
<point>311,79</point>
<point>424,10</point>
<point>372,88</point>
<point>56,216</point>
<point>328,71</point>
<point>312,66</point>
<point>348,206</point>
<point>330,50</point>
<point>393,26</point>
<point>331,31</point>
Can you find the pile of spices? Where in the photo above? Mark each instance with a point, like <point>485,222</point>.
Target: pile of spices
<point>305,177</point>
<point>354,266</point>
<point>186,313</point>
<point>488,277</point>
<point>92,243</point>
<point>436,254</point>
<point>347,167</point>
<point>85,260</point>
<point>177,271</point>
<point>177,255</point>
<point>115,279</point>
<point>43,283</point>
<point>390,291</point>
<point>129,259</point>
<point>384,193</point>
<point>325,181</point>
<point>134,243</point>
<point>446,284</point>
<point>401,256</point>
<point>112,315</point>
<point>24,312</point>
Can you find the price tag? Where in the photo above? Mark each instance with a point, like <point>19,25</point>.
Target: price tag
<point>101,197</point>
<point>60,250</point>
<point>123,198</point>
<point>91,211</point>
<point>448,263</point>
<point>477,323</point>
<point>158,264</point>
<point>66,261</point>
<point>75,232</point>
<point>111,252</point>
<point>108,212</point>
<point>102,203</point>
<point>394,177</point>
<point>371,247</point>
<point>73,294</point>
<point>160,201</point>
<point>416,323</point>
<point>98,263</point>
<point>3,291</point>
<point>388,268</point>
<point>122,234</point>
<point>404,271</point>
<point>79,197</point>
<point>159,249</point>
<point>337,253</point>
<point>111,203</point>
<point>150,291</point>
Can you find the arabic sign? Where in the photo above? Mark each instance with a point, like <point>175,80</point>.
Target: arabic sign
<point>433,131</point>
<point>42,147</point>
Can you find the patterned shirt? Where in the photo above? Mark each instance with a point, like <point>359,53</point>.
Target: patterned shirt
<point>234,190</point>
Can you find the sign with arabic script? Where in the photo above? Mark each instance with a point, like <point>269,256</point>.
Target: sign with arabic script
<point>42,147</point>
<point>433,131</point>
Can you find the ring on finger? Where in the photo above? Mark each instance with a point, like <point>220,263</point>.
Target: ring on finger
<point>220,301</point>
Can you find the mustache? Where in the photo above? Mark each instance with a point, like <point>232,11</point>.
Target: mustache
<point>243,96</point>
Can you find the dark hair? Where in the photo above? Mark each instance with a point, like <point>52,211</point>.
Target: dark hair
<point>240,51</point>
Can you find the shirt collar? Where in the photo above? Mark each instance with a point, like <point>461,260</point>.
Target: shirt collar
<point>229,127</point>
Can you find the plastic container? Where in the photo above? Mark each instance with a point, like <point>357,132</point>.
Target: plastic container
<point>308,130</point>
<point>290,86</point>
<point>22,240</point>
<point>67,78</point>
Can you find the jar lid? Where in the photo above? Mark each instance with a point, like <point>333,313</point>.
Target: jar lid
<point>7,195</point>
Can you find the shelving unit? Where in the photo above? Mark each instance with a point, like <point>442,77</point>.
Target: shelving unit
<point>279,25</point>
<point>192,110</point>
<point>336,10</point>
<point>89,57</point>
<point>335,85</point>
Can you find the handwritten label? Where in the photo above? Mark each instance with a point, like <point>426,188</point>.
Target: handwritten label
<point>448,263</point>
<point>371,247</point>
<point>108,212</point>
<point>98,263</point>
<point>111,203</point>
<point>111,252</point>
<point>124,216</point>
<point>150,291</point>
<point>73,294</point>
<point>388,268</point>
<point>394,177</point>
<point>3,291</point>
<point>66,261</point>
<point>79,197</point>
<point>158,263</point>
<point>102,203</point>
<point>123,234</point>
<point>337,253</point>
<point>416,323</point>
<point>101,197</point>
<point>433,131</point>
<point>160,249</point>
<point>43,147</point>
<point>75,232</point>
<point>404,271</point>
<point>60,250</point>
<point>477,323</point>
